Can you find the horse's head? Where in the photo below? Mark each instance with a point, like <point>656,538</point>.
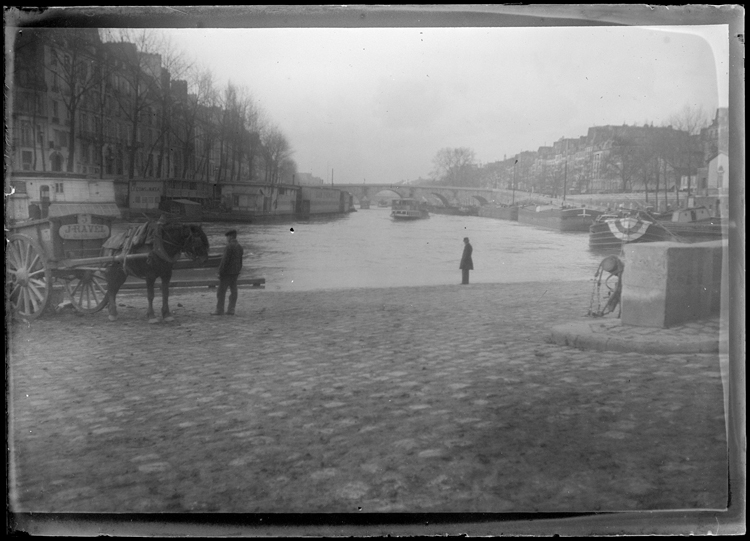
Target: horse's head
<point>195,243</point>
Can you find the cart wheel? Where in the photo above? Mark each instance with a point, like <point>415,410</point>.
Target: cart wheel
<point>87,289</point>
<point>27,277</point>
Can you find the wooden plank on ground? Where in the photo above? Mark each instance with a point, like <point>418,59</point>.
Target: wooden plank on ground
<point>140,284</point>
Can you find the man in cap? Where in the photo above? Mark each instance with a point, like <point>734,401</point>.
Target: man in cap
<point>229,270</point>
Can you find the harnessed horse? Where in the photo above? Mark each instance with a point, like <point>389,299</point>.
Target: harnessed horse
<point>169,241</point>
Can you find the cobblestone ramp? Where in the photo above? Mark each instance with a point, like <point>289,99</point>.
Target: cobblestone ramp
<point>436,399</point>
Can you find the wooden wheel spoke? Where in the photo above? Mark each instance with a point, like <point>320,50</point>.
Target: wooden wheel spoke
<point>99,283</point>
<point>36,273</point>
<point>37,291</point>
<point>87,290</point>
<point>18,261</point>
<point>75,289</point>
<point>91,296</point>
<point>38,286</point>
<point>26,302</point>
<point>28,276</point>
<point>14,290</point>
<point>14,257</point>
<point>27,256</point>
<point>94,288</point>
<point>35,263</point>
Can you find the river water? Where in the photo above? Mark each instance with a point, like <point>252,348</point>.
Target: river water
<point>367,249</point>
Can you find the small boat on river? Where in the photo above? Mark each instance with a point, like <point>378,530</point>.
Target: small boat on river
<point>408,209</point>
<point>682,225</point>
<point>559,219</point>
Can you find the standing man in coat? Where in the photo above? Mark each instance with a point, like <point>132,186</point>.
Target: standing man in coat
<point>466,263</point>
<point>229,270</point>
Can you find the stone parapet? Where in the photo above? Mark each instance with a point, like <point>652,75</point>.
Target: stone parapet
<point>667,283</point>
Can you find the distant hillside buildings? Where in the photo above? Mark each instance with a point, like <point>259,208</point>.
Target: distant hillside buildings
<point>623,158</point>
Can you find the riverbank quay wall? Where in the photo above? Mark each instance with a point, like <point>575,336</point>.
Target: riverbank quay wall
<point>669,283</point>
<point>323,200</point>
<point>243,202</point>
<point>499,213</point>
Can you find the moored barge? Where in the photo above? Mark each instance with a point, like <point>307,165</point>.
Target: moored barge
<point>559,219</point>
<point>682,225</point>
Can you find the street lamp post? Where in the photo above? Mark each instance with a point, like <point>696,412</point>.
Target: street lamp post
<point>513,201</point>
<point>565,178</point>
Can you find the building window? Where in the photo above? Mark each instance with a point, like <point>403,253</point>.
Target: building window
<point>61,138</point>
<point>26,157</point>
<point>108,159</point>
<point>57,162</point>
<point>55,112</point>
<point>58,187</point>
<point>26,135</point>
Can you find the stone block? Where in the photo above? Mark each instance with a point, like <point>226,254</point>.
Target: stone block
<point>667,283</point>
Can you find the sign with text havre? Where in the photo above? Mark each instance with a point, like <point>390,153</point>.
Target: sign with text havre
<point>84,229</point>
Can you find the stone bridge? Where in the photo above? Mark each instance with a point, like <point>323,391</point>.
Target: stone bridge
<point>447,195</point>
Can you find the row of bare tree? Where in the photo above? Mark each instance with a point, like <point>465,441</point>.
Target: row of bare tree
<point>178,121</point>
<point>634,157</point>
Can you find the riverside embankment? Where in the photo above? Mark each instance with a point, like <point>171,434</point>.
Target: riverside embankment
<point>430,399</point>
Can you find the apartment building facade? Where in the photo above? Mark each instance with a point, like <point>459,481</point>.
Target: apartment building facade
<point>105,110</point>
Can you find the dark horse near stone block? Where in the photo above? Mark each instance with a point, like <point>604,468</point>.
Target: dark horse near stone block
<point>152,259</point>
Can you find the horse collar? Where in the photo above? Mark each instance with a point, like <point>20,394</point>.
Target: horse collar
<point>158,247</point>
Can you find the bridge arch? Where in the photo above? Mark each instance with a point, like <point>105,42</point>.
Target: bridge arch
<point>385,191</point>
<point>447,195</point>
<point>442,198</point>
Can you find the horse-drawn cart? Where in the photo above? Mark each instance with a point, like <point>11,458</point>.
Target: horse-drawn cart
<point>67,246</point>
<point>74,244</point>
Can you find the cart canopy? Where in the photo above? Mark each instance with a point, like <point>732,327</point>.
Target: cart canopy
<point>57,210</point>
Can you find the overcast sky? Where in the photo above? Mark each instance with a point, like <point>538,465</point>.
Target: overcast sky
<point>376,104</point>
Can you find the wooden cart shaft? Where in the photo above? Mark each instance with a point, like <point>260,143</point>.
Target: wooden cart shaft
<point>99,261</point>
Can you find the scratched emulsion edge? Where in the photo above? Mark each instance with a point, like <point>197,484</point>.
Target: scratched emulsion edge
<point>645,15</point>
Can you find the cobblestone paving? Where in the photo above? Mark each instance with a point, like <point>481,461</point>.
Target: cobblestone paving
<point>385,400</point>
